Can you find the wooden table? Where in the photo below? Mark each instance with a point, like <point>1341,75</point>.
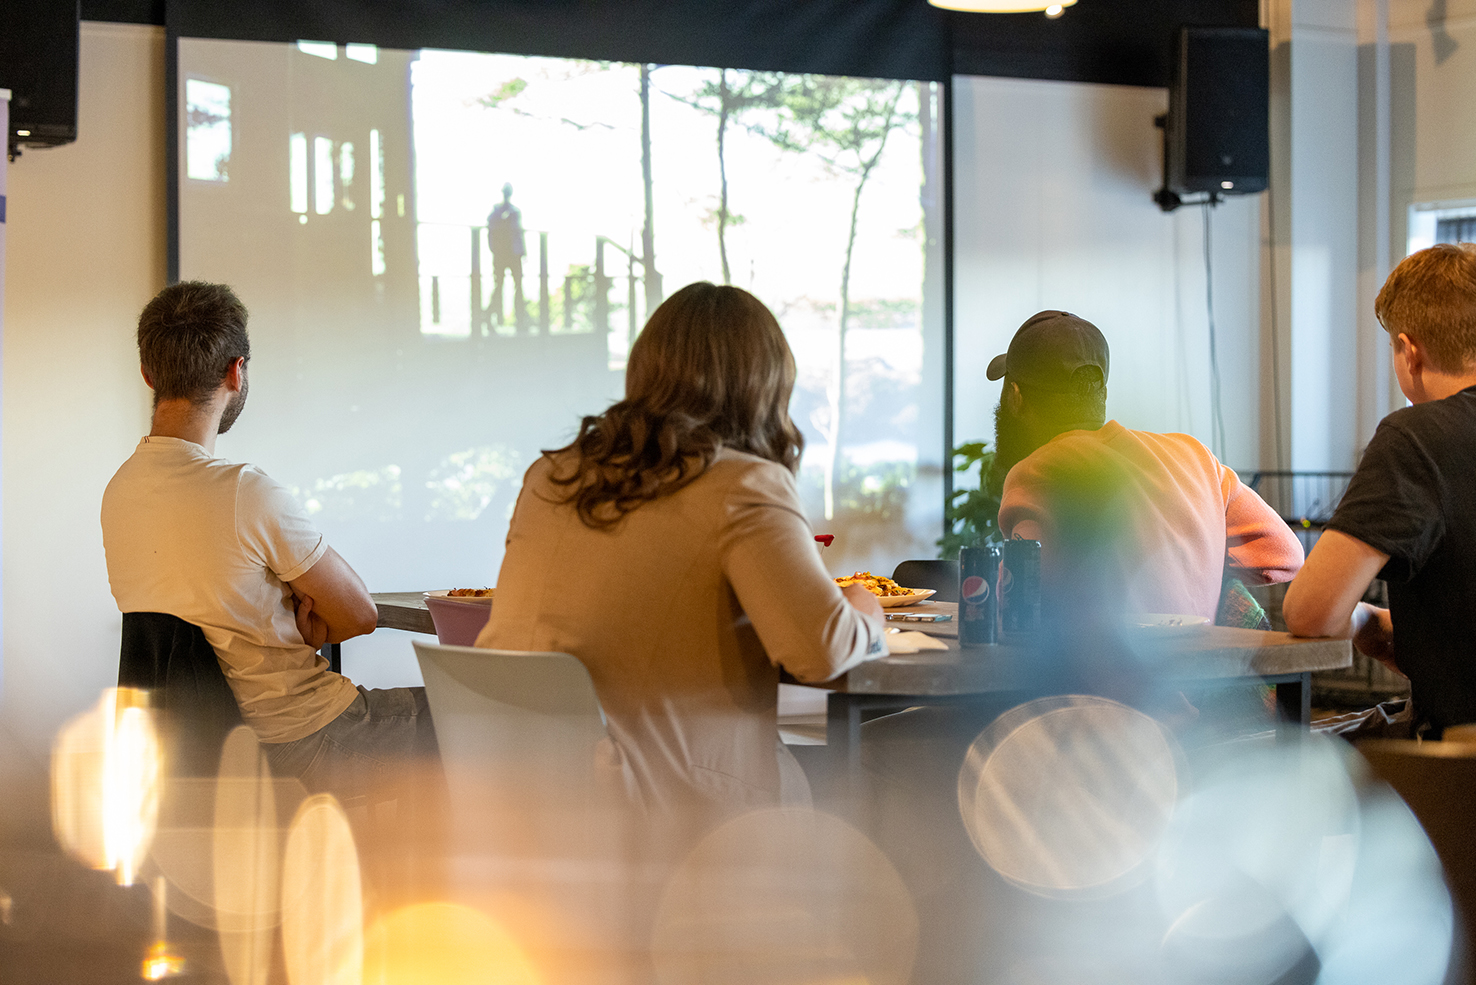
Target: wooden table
<point>1212,654</point>
<point>1208,655</point>
<point>403,610</point>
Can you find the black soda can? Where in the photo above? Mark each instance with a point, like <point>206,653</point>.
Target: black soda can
<point>978,595</point>
<point>1019,587</point>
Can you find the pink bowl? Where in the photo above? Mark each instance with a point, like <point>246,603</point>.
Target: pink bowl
<point>458,623</point>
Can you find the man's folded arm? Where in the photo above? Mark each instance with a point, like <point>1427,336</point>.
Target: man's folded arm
<point>339,597</point>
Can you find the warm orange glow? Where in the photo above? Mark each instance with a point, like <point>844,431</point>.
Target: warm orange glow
<point>105,783</point>
<point>247,859</point>
<point>443,944</point>
<point>785,896</point>
<point>160,964</point>
<point>322,898</point>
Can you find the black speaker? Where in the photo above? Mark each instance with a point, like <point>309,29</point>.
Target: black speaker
<point>1216,136</point>
<point>38,64</point>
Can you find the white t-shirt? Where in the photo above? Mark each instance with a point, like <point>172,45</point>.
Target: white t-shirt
<point>214,543</point>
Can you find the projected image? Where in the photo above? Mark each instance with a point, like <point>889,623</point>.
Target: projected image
<point>449,254</point>
<point>207,130</point>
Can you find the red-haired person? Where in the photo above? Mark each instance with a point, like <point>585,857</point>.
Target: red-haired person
<point>1409,515</point>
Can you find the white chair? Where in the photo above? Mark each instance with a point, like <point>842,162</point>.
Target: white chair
<point>518,717</point>
<point>539,811</point>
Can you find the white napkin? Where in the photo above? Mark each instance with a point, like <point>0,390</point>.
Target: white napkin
<point>911,641</point>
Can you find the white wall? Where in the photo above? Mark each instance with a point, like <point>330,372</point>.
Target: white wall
<point>85,251</point>
<point>1443,166</point>
<point>1053,209</point>
<point>1322,194</point>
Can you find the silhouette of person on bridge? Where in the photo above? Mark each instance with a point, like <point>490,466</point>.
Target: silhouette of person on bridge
<point>505,239</point>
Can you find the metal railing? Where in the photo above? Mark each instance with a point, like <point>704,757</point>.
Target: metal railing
<point>1305,500</point>
<point>584,299</point>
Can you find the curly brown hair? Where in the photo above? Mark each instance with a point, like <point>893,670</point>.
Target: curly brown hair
<point>711,369</point>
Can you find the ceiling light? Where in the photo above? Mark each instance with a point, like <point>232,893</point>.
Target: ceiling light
<point>23,133</point>
<point>1005,6</point>
<point>1055,10</point>
<point>1227,185</point>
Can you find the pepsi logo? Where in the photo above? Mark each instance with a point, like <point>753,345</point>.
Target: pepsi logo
<point>975,590</point>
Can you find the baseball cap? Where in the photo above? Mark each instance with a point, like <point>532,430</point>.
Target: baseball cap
<point>1049,348</point>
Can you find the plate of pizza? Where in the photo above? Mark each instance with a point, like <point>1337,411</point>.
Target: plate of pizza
<point>475,596</point>
<point>890,594</point>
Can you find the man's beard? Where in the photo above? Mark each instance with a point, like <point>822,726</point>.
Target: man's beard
<point>1012,445</point>
<point>233,408</point>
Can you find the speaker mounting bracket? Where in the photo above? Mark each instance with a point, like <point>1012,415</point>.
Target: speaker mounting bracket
<point>1169,200</point>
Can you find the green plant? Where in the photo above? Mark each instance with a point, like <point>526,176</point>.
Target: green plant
<point>972,513</point>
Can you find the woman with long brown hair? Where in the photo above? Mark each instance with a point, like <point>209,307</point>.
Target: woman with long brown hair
<point>666,548</point>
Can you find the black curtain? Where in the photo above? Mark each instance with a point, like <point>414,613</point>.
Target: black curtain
<point>1124,42</point>
<point>900,39</point>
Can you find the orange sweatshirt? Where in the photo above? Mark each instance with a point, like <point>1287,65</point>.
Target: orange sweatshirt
<point>1186,516</point>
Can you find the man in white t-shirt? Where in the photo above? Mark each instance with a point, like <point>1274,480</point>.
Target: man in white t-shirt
<point>222,546</point>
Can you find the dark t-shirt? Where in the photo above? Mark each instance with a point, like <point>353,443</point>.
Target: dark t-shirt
<point>1414,498</point>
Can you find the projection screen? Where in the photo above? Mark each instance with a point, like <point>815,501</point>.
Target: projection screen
<point>447,255</point>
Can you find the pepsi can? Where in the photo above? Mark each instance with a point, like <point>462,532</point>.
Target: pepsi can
<point>978,595</point>
<point>1019,587</point>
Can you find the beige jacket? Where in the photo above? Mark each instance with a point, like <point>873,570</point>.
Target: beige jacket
<point>683,613</point>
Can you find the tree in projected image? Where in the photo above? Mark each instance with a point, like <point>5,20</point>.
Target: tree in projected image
<point>648,230</point>
<point>731,98</point>
<point>562,305</point>
<point>847,122</point>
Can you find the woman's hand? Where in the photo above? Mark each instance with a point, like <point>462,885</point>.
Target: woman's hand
<point>864,602</point>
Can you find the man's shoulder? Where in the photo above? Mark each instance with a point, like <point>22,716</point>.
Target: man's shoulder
<point>257,490</point>
<point>1452,419</point>
<point>1111,440</point>
<point>180,462</point>
<point>1438,431</point>
<point>1115,454</point>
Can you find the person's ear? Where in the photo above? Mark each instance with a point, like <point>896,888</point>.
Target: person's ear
<point>1413,355</point>
<point>146,377</point>
<point>236,374</point>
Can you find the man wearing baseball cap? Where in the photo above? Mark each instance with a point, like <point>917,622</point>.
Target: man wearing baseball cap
<point>1180,520</point>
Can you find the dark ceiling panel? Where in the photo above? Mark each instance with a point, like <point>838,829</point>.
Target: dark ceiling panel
<point>881,38</point>
<point>1124,42</point>
<point>124,11</point>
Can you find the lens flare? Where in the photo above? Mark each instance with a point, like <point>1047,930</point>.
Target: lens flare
<point>443,944</point>
<point>785,896</point>
<point>1069,796</point>
<point>322,898</point>
<point>105,783</point>
<point>1286,858</point>
<point>246,859</point>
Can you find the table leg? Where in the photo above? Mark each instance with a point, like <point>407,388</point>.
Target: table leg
<point>1294,700</point>
<point>843,731</point>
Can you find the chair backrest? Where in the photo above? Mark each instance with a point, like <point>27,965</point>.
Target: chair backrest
<point>513,719</point>
<point>941,576</point>
<point>172,659</point>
